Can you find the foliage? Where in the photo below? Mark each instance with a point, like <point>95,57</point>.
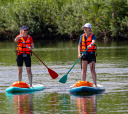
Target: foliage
<point>47,18</point>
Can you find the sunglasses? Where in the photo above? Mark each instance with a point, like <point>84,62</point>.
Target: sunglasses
<point>86,27</point>
<point>25,30</point>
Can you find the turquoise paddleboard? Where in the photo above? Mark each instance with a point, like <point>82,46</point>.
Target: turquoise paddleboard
<point>87,90</point>
<point>37,87</point>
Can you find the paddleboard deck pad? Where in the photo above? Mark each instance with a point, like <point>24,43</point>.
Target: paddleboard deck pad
<point>37,87</point>
<point>87,89</point>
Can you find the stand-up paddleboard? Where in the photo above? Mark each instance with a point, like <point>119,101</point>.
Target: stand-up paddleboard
<point>87,89</point>
<point>22,88</point>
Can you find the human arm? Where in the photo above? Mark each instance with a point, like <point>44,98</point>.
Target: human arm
<point>92,44</point>
<point>17,38</point>
<point>32,46</point>
<point>79,47</point>
<point>79,52</point>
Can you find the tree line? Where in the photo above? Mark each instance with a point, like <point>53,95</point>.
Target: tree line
<point>47,19</point>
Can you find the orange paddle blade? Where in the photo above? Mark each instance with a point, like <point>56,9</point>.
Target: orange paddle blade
<point>52,73</point>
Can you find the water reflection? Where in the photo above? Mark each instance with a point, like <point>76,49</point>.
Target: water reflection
<point>57,102</point>
<point>86,104</point>
<point>22,104</point>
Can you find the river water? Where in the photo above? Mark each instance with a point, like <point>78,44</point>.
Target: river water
<point>111,69</point>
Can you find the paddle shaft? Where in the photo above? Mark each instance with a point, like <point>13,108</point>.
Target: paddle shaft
<point>77,60</point>
<point>52,73</point>
<point>64,78</point>
<point>35,55</point>
<point>73,66</point>
<point>39,59</point>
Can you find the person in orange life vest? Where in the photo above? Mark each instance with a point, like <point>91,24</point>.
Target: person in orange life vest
<point>87,40</point>
<point>23,53</point>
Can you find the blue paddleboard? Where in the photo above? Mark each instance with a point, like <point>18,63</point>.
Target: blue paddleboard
<point>87,90</point>
<point>37,87</point>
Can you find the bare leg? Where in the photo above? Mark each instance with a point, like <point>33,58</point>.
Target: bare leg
<point>19,73</point>
<point>92,68</point>
<point>84,69</point>
<point>29,75</point>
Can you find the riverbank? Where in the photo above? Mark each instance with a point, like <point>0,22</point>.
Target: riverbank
<point>9,36</point>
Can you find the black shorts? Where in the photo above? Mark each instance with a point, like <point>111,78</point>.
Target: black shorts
<point>20,60</point>
<point>89,58</point>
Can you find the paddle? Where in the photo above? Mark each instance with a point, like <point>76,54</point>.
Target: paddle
<point>52,73</point>
<point>64,78</point>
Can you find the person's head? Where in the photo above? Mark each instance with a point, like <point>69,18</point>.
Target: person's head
<point>87,28</point>
<point>24,31</point>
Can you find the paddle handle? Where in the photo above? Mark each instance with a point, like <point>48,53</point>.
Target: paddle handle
<point>84,52</point>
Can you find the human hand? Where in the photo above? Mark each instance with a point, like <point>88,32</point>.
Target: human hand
<point>79,56</point>
<point>17,38</point>
<point>89,46</point>
<point>30,48</point>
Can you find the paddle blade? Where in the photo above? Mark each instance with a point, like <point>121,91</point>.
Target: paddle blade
<point>63,79</point>
<point>52,73</point>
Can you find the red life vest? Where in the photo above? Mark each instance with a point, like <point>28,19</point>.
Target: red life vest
<point>86,42</point>
<point>21,48</point>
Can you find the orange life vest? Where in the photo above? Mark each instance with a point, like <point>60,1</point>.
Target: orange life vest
<point>21,48</point>
<point>86,42</point>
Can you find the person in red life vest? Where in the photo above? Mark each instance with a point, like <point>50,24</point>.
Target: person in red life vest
<point>23,52</point>
<point>87,40</point>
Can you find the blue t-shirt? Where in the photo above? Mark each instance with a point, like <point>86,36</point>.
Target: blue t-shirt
<point>93,38</point>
